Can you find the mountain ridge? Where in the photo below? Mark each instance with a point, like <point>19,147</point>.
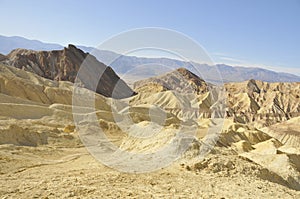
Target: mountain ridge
<point>13,42</point>
<point>123,64</point>
<point>126,63</point>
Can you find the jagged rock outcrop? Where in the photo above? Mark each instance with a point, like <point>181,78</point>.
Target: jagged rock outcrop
<point>261,101</point>
<point>177,92</point>
<point>181,80</point>
<point>63,65</point>
<point>249,101</point>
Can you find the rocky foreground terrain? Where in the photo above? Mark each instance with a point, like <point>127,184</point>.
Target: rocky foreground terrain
<point>256,154</point>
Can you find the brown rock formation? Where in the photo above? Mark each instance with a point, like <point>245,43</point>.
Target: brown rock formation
<point>2,57</point>
<point>63,65</point>
<point>181,80</point>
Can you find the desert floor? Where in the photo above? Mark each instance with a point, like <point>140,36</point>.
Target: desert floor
<point>47,172</point>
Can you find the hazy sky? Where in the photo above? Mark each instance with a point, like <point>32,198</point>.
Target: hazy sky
<point>263,33</point>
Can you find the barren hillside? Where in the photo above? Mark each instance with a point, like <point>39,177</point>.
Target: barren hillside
<point>42,155</point>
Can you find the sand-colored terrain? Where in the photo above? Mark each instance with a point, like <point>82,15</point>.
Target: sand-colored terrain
<point>42,156</point>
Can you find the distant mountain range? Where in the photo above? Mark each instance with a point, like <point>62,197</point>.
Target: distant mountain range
<point>138,68</point>
<point>8,44</point>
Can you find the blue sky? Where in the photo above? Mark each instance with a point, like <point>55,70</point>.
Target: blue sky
<point>264,33</point>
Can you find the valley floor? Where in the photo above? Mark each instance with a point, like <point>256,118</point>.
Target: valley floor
<point>47,172</point>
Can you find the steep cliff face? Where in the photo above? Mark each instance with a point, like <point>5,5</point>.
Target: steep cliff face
<point>63,65</point>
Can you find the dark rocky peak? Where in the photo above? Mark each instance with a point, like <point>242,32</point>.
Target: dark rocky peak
<point>2,57</point>
<point>252,86</point>
<point>188,75</point>
<point>63,65</point>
